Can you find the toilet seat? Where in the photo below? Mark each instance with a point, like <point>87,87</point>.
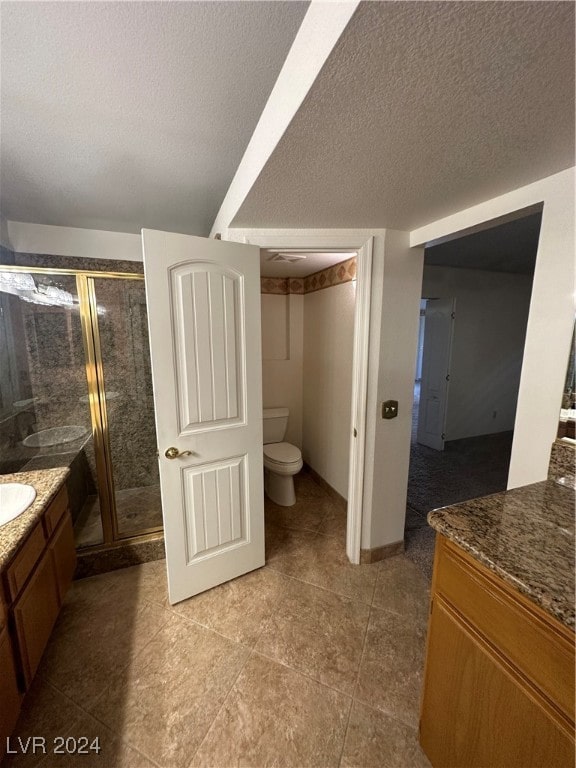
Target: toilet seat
<point>282,453</point>
<point>282,458</point>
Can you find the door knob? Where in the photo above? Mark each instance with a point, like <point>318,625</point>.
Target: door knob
<point>174,453</point>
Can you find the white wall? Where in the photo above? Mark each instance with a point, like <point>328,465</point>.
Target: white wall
<point>328,349</point>
<point>394,323</point>
<point>72,241</point>
<point>282,361</point>
<point>4,236</point>
<point>489,332</point>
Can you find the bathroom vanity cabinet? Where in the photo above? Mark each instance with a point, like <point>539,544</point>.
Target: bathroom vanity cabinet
<point>10,694</point>
<point>34,584</point>
<point>499,678</point>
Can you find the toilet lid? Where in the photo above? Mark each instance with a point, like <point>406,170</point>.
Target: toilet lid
<point>285,453</point>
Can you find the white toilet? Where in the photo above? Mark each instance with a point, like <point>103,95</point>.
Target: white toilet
<point>281,460</point>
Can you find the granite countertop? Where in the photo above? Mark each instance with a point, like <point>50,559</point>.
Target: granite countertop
<point>47,483</point>
<point>526,536</point>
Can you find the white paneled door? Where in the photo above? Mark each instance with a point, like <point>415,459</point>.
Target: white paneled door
<point>204,319</point>
<point>438,334</point>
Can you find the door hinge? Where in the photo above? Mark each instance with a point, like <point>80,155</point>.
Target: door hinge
<point>355,432</point>
<point>447,377</point>
<point>453,315</point>
<point>443,436</point>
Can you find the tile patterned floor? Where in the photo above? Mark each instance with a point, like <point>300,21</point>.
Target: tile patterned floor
<point>309,661</point>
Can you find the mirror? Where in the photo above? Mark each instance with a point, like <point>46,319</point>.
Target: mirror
<point>568,406</point>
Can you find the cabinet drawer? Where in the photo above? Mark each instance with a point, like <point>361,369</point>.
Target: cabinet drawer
<point>34,615</point>
<point>63,549</point>
<point>537,645</point>
<point>55,511</point>
<point>24,562</point>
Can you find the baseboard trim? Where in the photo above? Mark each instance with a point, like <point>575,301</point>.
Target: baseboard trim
<point>381,553</point>
<point>334,495</point>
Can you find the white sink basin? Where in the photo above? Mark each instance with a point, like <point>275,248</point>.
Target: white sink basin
<point>54,436</point>
<point>15,498</point>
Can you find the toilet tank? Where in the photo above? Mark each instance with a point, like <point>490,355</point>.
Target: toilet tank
<point>275,422</point>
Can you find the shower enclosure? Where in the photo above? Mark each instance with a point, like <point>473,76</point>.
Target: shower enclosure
<point>76,391</point>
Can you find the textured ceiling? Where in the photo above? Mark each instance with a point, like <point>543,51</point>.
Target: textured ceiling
<point>122,115</point>
<point>509,247</point>
<point>422,109</point>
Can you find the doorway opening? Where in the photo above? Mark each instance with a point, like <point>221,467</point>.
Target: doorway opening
<point>469,360</point>
<point>308,302</point>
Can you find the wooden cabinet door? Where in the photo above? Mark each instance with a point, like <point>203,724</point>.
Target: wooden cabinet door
<point>10,697</point>
<point>35,613</point>
<point>475,714</point>
<point>64,552</point>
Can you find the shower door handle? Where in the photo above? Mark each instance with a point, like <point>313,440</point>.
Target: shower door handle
<point>174,453</point>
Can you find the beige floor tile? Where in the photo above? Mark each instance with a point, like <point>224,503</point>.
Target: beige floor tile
<point>305,487</point>
<point>90,643</point>
<point>285,546</point>
<point>147,581</point>
<point>402,588</point>
<point>334,523</point>
<point>306,514</point>
<point>45,713</point>
<point>318,633</point>
<point>239,609</point>
<point>113,752</point>
<point>322,561</point>
<point>390,675</point>
<point>276,717</point>
<point>374,740</point>
<point>165,701</point>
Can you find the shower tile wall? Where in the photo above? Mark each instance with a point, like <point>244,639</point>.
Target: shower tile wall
<point>123,327</point>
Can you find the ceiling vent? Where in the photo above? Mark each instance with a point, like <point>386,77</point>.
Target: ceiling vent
<point>289,257</point>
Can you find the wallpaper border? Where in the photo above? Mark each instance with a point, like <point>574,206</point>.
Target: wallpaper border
<point>337,274</point>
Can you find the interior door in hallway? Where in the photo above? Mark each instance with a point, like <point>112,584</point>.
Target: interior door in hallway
<point>204,321</point>
<point>438,334</point>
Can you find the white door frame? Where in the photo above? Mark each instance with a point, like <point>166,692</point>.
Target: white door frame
<point>362,243</point>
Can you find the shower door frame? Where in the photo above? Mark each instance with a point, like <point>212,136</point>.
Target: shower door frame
<point>88,309</point>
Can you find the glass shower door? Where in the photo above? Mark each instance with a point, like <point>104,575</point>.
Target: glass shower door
<point>45,418</point>
<point>128,405</point>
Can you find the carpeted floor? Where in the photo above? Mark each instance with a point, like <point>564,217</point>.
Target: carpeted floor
<point>465,469</point>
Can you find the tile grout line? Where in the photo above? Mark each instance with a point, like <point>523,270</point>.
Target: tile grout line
<point>301,672</point>
<point>357,676</point>
<point>211,629</point>
<point>224,700</point>
<point>97,720</point>
<point>346,732</point>
<point>119,670</point>
<point>318,586</point>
